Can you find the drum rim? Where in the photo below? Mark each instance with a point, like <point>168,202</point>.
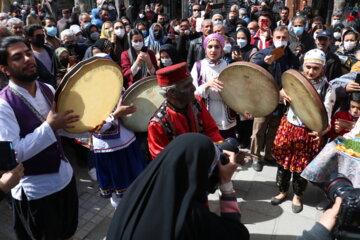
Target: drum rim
<point>134,86</point>
<point>259,68</point>
<point>298,75</point>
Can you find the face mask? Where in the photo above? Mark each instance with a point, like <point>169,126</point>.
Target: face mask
<point>307,26</point>
<point>137,45</point>
<point>39,41</point>
<point>144,33</point>
<point>86,24</point>
<point>141,15</point>
<point>350,45</point>
<point>218,22</point>
<point>177,28</point>
<point>227,48</point>
<point>334,22</point>
<point>157,34</point>
<point>280,43</point>
<point>119,32</point>
<point>51,31</point>
<point>232,20</point>
<point>337,35</point>
<point>111,8</point>
<point>252,32</point>
<point>166,62</point>
<point>241,42</point>
<point>69,45</point>
<point>187,32</point>
<point>64,62</point>
<point>107,32</point>
<point>8,28</point>
<point>94,36</point>
<point>162,22</point>
<point>298,30</point>
<point>315,34</point>
<point>32,12</point>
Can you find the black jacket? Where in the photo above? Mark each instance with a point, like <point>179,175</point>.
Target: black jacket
<point>307,41</point>
<point>44,75</point>
<point>183,45</point>
<point>332,66</point>
<point>196,51</point>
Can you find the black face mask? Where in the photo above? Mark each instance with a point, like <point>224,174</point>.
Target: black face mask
<point>69,45</point>
<point>64,62</point>
<point>94,36</point>
<point>157,34</point>
<point>39,41</point>
<point>162,22</point>
<point>232,20</point>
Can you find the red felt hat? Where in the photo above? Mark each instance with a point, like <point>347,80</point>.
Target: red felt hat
<point>173,74</point>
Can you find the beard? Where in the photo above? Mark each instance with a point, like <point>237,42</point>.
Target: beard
<point>22,77</point>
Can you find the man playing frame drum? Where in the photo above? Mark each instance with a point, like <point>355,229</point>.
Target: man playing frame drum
<point>295,144</point>
<point>181,112</point>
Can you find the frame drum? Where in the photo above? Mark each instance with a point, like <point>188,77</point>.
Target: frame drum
<point>249,88</point>
<point>145,96</point>
<point>92,89</point>
<point>305,101</point>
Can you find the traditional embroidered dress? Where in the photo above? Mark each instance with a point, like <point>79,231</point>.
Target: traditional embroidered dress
<point>169,122</point>
<point>118,158</point>
<point>203,72</point>
<point>293,147</point>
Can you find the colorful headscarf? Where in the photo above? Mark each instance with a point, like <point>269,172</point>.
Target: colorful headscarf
<point>214,36</point>
<point>105,33</point>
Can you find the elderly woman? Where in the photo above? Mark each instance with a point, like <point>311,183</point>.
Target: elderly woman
<point>295,145</point>
<point>205,78</point>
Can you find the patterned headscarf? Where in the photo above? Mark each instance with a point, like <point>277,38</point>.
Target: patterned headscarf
<point>214,36</point>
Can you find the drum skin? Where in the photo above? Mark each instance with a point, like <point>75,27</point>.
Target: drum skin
<point>145,96</point>
<point>305,101</point>
<point>92,89</point>
<point>249,88</point>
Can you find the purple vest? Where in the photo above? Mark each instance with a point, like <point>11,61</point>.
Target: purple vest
<point>48,160</point>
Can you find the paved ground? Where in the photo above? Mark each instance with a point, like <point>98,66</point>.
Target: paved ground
<point>254,190</point>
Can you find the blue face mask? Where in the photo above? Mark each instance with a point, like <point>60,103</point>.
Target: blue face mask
<point>8,28</point>
<point>144,33</point>
<point>86,24</point>
<point>51,31</point>
<point>298,30</point>
<point>218,22</point>
<point>32,12</point>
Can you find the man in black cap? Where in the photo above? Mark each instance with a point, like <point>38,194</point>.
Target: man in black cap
<point>333,63</point>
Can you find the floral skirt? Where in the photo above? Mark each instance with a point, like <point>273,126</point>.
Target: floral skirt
<point>293,148</point>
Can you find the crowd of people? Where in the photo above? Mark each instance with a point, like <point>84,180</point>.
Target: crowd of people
<point>40,44</point>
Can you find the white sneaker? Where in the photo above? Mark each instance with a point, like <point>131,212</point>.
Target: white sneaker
<point>92,174</point>
<point>115,201</point>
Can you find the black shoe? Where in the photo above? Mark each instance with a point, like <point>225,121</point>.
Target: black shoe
<point>276,201</point>
<point>297,208</point>
<point>257,166</point>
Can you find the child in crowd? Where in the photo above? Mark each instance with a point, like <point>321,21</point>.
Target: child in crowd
<point>118,156</point>
<point>343,121</point>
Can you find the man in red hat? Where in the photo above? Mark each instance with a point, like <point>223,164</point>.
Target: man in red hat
<point>181,112</point>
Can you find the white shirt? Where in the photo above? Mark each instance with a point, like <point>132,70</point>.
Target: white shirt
<point>215,104</point>
<point>36,186</point>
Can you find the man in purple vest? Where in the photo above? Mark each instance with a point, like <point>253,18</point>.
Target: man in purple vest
<point>45,200</point>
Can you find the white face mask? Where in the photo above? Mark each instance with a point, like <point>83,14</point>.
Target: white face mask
<point>187,32</point>
<point>227,48</point>
<point>334,22</point>
<point>166,62</point>
<point>177,28</point>
<point>119,32</point>
<point>252,32</point>
<point>349,45</point>
<point>315,34</point>
<point>280,43</point>
<point>337,35</point>
<point>141,15</point>
<point>241,42</point>
<point>137,45</point>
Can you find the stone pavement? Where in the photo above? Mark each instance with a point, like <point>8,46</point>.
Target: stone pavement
<point>254,191</point>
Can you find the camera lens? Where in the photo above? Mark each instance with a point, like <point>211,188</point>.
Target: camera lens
<point>338,186</point>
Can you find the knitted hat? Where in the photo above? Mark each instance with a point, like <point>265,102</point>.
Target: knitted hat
<point>315,56</point>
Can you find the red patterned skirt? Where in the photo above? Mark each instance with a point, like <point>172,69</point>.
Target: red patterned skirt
<point>293,148</point>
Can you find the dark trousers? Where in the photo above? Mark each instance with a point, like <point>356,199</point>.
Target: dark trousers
<point>50,218</point>
<point>283,177</point>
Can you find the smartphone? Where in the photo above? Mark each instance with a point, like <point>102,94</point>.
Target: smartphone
<point>7,156</point>
<point>236,48</point>
<point>357,80</point>
<point>144,49</point>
